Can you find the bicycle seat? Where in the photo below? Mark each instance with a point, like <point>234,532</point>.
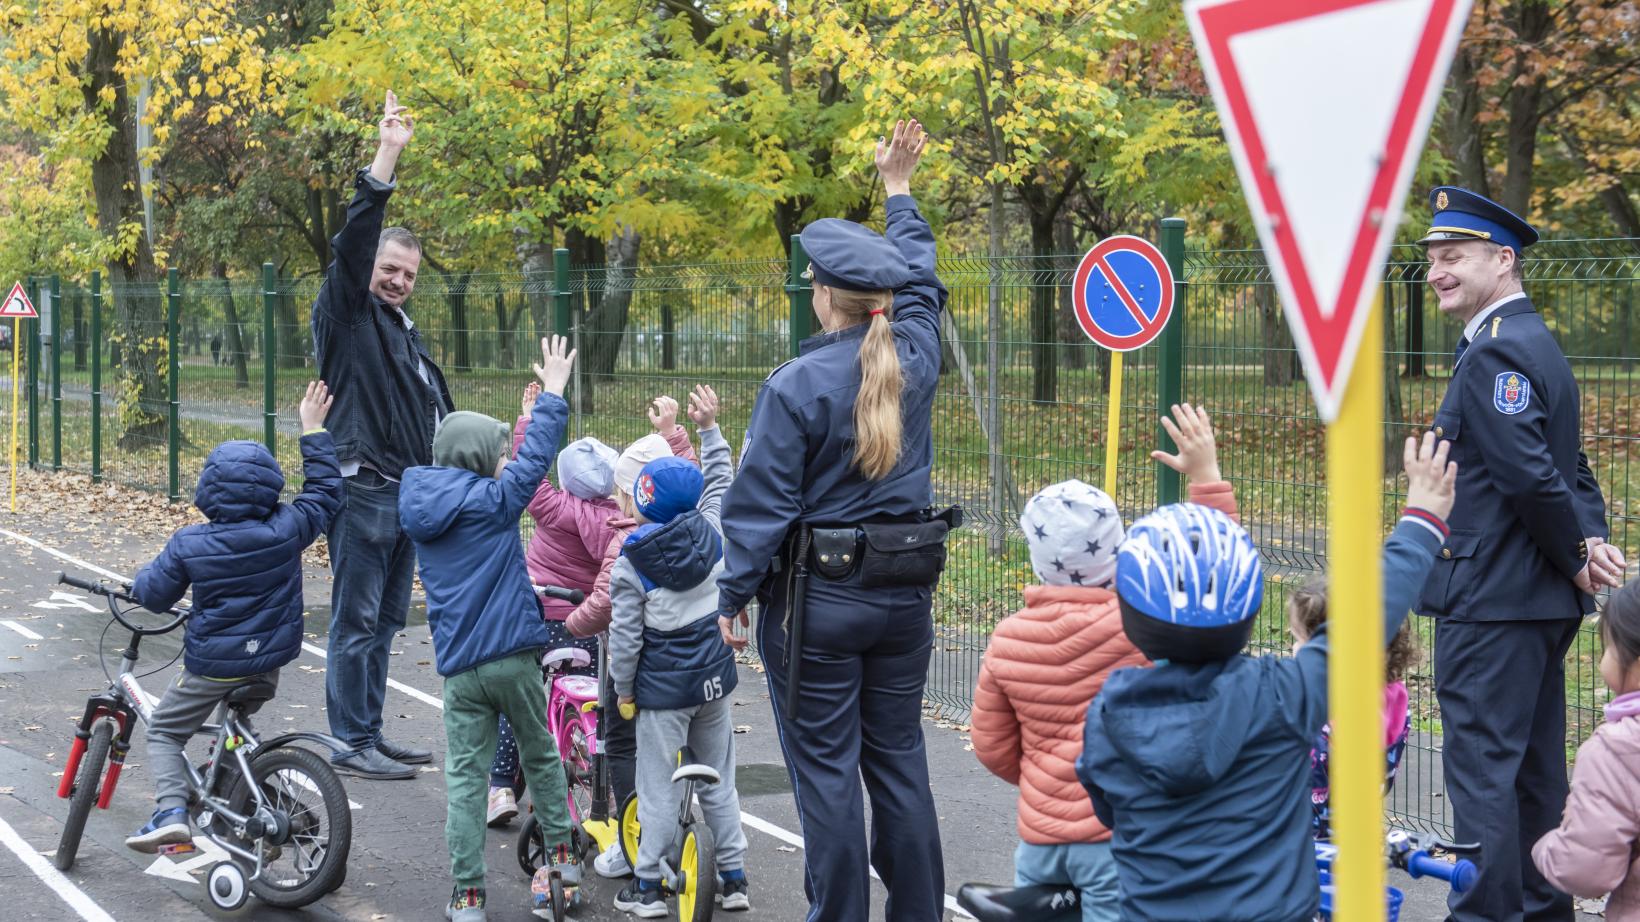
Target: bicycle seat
<point>1044,903</point>
<point>567,658</point>
<point>694,771</point>
<point>251,695</point>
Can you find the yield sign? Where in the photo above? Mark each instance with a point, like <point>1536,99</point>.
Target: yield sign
<point>17,304</point>
<point>1326,104</point>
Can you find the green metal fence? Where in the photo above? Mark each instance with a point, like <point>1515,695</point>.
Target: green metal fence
<point>1021,402</point>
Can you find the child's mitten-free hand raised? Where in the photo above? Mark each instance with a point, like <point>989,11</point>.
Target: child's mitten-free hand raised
<point>557,360</point>
<point>703,406</point>
<point>315,406</point>
<point>1192,431</point>
<point>531,392</point>
<point>663,414</point>
<point>1431,478</point>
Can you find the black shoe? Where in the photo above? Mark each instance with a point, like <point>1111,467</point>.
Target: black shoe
<point>371,765</point>
<point>734,894</point>
<point>643,902</point>
<point>403,754</point>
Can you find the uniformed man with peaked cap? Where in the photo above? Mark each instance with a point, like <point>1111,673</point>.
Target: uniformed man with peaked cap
<point>1515,578</point>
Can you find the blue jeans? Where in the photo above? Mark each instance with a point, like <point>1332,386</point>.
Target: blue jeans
<point>1087,866</point>
<point>372,563</point>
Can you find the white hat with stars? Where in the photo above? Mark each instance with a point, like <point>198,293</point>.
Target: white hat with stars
<point>1072,530</point>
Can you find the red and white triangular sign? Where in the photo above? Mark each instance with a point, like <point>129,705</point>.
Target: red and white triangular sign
<point>1326,105</point>
<point>17,304</point>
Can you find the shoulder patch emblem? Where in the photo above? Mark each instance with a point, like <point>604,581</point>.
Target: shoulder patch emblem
<point>1511,393</point>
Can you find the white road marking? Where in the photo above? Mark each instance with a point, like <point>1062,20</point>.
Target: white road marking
<point>76,899</point>
<point>167,867</point>
<point>21,630</point>
<point>758,823</point>
<point>66,600</point>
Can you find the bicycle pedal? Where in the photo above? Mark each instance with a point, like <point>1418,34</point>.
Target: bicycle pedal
<point>178,848</point>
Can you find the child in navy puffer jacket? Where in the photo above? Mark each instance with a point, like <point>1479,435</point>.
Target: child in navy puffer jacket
<point>462,513</point>
<point>245,566</point>
<point>1198,765</point>
<point>668,659</point>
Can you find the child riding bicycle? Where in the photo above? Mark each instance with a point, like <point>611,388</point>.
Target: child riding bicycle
<point>245,566</point>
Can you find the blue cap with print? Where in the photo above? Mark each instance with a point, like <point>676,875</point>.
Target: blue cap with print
<point>666,488</point>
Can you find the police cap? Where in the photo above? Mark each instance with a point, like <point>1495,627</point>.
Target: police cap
<point>1463,215</point>
<point>845,255</point>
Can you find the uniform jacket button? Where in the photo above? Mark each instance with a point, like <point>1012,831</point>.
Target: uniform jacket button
<point>1439,432</point>
<point>1446,552</point>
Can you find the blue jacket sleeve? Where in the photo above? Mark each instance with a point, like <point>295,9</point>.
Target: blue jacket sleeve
<point>345,297</point>
<point>321,497</point>
<point>1515,450</point>
<point>918,303</point>
<point>1301,682</point>
<point>519,480</point>
<point>764,500</point>
<point>164,581</point>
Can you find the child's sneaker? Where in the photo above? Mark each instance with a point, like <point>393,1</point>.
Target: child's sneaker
<point>569,873</point>
<point>734,893</point>
<point>167,827</point>
<point>465,905</point>
<point>643,899</point>
<point>611,862</point>
<point>503,807</point>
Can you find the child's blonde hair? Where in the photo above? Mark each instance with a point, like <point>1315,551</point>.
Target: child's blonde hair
<point>1307,611</point>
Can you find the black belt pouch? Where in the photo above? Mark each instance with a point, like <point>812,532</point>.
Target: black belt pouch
<point>834,552</point>
<point>903,553</point>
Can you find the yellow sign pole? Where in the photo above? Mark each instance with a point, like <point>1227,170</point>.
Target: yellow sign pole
<point>16,385</point>
<point>1355,628</point>
<point>1113,430</point>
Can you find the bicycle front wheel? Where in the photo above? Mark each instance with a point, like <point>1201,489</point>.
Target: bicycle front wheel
<point>310,859</point>
<point>697,861</point>
<point>87,784</point>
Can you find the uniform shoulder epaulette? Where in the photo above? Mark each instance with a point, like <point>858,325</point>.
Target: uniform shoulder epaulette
<point>1496,322</point>
<point>777,370</point>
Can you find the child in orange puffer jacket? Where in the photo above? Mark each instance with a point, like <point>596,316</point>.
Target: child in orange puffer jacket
<point>1048,661</point>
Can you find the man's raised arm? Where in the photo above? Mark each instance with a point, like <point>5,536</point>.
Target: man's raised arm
<point>346,297</point>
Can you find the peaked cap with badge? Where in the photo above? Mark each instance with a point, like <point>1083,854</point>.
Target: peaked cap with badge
<point>850,256</point>
<point>1462,215</point>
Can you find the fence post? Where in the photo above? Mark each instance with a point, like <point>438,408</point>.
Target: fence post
<point>173,442</point>
<point>56,373</point>
<point>269,353</point>
<point>560,291</point>
<point>33,327</point>
<point>801,294</point>
<point>1170,361</point>
<point>96,346</point>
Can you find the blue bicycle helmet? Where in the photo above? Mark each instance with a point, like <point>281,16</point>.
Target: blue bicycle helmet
<point>1189,582</point>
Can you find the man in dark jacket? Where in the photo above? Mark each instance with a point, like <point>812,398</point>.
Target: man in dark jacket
<point>389,398</point>
<point>1514,580</point>
<point>245,566</point>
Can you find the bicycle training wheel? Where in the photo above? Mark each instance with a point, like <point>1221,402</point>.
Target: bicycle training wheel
<point>630,830</point>
<point>697,862</point>
<point>87,784</point>
<point>310,859</point>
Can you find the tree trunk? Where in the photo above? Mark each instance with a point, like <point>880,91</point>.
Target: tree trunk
<point>289,334</point>
<point>993,373</point>
<point>1415,327</point>
<point>115,186</point>
<point>535,261</point>
<point>456,296</point>
<point>1533,19</point>
<point>1394,424</point>
<point>505,334</point>
<point>606,324</point>
<point>1044,326</point>
<point>1279,352</point>
<point>236,340</point>
<point>1074,353</point>
<point>669,336</point>
<point>79,330</point>
<point>1464,139</point>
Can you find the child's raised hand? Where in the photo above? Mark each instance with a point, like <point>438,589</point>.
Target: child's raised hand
<point>557,360</point>
<point>1431,478</point>
<point>1192,431</point>
<point>315,406</point>
<point>531,392</point>
<point>703,406</point>
<point>663,414</point>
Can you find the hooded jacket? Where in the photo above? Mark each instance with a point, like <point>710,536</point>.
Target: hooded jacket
<point>1044,665</point>
<point>1200,771</point>
<point>664,647</point>
<point>245,564</point>
<point>465,527</point>
<point>1594,850</point>
<point>570,538</point>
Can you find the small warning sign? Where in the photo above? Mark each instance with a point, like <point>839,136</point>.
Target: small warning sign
<point>17,304</point>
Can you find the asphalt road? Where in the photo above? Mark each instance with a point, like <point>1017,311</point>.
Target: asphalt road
<point>49,663</point>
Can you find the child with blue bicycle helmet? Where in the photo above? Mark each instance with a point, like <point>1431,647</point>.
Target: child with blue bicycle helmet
<point>1199,764</point>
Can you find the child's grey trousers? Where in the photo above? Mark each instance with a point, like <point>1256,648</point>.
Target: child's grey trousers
<point>710,734</point>
<point>185,707</point>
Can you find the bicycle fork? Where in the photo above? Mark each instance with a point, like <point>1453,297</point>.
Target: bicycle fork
<point>102,707</point>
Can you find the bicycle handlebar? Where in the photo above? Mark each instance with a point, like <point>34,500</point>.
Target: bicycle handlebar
<point>1460,874</point>
<point>115,596</point>
<point>572,596</point>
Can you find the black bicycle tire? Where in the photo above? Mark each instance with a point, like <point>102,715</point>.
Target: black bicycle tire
<point>87,784</point>
<point>530,844</point>
<point>705,878</point>
<point>337,814</point>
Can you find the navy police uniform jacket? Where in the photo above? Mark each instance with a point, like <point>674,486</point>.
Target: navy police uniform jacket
<point>1526,499</point>
<point>795,465</point>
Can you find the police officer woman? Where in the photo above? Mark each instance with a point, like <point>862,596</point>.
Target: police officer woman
<point>828,526</point>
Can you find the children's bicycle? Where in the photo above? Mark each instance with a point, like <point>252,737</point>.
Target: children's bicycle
<point>277,809</point>
<point>1418,857</point>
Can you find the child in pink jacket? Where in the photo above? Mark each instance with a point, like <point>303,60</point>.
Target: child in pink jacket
<point>1046,663</point>
<point>1594,850</point>
<point>574,528</point>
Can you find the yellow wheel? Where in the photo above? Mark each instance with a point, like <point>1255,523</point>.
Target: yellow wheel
<point>699,869</point>
<point>629,830</point>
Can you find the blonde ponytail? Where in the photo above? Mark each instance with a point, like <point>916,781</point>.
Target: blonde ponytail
<point>877,410</point>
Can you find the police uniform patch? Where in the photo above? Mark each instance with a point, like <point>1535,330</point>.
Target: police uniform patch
<point>1511,393</point>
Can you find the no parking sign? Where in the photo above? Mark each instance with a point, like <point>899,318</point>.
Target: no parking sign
<point>1123,293</point>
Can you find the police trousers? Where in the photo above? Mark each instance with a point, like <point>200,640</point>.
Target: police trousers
<point>859,718</point>
<point>1502,689</point>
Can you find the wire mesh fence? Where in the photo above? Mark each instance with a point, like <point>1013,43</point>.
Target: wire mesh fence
<point>1010,340</point>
